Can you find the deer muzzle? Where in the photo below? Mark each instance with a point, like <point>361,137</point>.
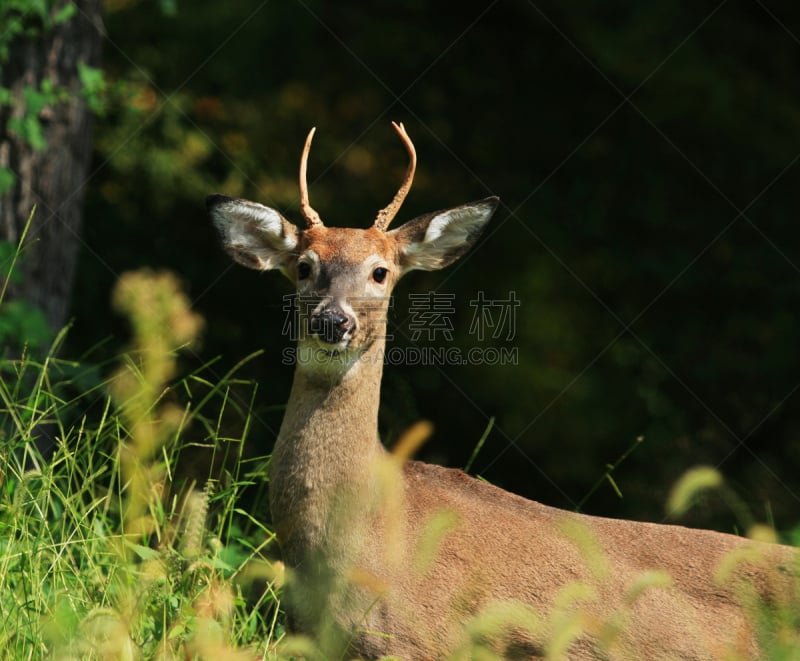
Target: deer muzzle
<point>332,325</point>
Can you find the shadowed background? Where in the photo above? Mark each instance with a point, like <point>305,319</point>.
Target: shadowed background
<point>646,159</point>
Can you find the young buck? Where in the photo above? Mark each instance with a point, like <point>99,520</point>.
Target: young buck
<point>402,558</point>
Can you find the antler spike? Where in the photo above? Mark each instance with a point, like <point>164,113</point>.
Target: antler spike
<point>385,216</point>
<point>311,216</point>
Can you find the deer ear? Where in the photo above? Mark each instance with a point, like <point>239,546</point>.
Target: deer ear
<point>437,239</point>
<point>253,235</point>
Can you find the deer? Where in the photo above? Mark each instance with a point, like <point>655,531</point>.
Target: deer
<point>388,556</point>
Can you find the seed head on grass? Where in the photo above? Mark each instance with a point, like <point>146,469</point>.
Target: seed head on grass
<point>693,483</point>
<point>162,322</point>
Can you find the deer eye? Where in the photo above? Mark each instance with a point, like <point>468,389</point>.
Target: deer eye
<point>303,270</point>
<point>379,274</point>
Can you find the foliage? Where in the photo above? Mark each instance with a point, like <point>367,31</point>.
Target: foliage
<point>27,18</point>
<point>35,21</point>
<point>97,560</point>
<point>23,327</point>
<point>94,87</point>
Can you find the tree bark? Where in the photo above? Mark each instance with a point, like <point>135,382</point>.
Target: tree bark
<point>52,178</point>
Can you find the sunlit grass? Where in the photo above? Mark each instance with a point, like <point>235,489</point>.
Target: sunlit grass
<point>99,559</point>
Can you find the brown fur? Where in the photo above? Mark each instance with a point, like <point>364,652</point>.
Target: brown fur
<point>494,547</point>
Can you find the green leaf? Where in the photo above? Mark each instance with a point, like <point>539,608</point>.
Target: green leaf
<point>23,324</point>
<point>219,563</point>
<point>177,631</point>
<point>36,100</point>
<point>64,14</point>
<point>30,130</point>
<point>90,77</point>
<point>94,87</point>
<point>7,180</point>
<point>144,552</point>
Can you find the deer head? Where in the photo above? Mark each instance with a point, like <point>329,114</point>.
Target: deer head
<point>344,276</point>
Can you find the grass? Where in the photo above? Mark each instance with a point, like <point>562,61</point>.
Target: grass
<point>99,559</point>
<point>102,556</point>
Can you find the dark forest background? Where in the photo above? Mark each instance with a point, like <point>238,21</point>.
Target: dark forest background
<point>646,157</point>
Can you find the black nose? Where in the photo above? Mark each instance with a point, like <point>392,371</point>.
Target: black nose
<point>330,325</point>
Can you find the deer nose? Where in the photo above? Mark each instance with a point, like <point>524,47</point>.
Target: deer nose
<point>331,325</point>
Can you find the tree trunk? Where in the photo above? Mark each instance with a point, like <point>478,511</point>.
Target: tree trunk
<point>53,177</point>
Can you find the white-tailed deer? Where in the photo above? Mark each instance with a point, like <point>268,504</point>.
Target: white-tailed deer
<point>416,561</point>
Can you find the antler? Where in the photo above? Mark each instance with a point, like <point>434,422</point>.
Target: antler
<point>311,216</point>
<point>385,216</point>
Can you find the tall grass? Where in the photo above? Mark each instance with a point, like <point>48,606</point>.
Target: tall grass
<point>99,558</point>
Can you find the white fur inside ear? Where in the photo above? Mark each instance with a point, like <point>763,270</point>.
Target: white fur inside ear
<point>448,235</point>
<point>238,219</point>
<point>455,225</point>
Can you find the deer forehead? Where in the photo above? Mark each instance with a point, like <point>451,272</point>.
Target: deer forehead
<point>348,246</point>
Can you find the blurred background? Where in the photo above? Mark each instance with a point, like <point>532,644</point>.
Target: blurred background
<point>646,158</point>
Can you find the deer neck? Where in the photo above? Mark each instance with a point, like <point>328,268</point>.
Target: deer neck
<point>322,483</point>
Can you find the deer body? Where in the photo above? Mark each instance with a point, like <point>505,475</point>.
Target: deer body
<point>422,562</point>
